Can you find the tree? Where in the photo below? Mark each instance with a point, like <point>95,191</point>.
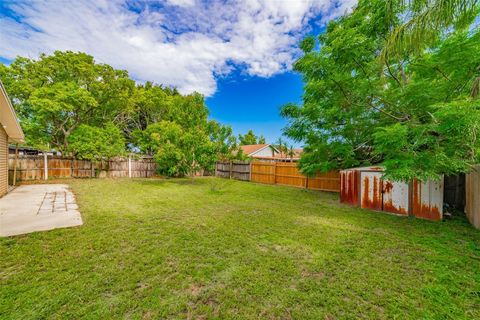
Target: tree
<point>417,116</point>
<point>250,138</point>
<point>150,103</point>
<point>178,133</point>
<point>425,22</point>
<point>179,151</point>
<point>56,94</point>
<point>224,141</point>
<point>281,146</point>
<point>94,143</point>
<point>290,152</point>
<point>92,111</point>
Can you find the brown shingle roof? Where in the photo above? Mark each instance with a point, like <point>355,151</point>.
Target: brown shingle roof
<point>251,148</point>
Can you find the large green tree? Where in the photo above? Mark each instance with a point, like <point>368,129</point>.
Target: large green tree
<point>179,151</point>
<point>416,113</point>
<point>54,95</point>
<point>68,102</point>
<point>183,140</point>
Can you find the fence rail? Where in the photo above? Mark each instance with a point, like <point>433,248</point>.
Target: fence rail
<point>283,173</point>
<point>43,167</point>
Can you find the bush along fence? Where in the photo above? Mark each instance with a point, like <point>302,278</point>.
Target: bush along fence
<point>43,167</point>
<point>283,173</point>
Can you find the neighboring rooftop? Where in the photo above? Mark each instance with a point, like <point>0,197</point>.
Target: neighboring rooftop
<point>252,148</point>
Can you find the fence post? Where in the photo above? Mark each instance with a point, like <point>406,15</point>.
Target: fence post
<point>231,165</point>
<point>306,182</point>
<point>274,172</point>
<point>129,166</point>
<point>15,165</point>
<point>250,172</point>
<point>45,166</point>
<point>92,172</point>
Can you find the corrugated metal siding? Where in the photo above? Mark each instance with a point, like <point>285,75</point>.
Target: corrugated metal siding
<point>427,199</point>
<point>371,190</point>
<point>395,197</point>
<point>3,161</point>
<point>366,188</point>
<point>349,183</point>
<point>472,197</point>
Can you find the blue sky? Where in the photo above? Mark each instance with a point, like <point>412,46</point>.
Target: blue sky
<point>238,53</point>
<point>251,102</point>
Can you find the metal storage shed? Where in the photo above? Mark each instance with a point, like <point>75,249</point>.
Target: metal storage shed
<point>366,188</point>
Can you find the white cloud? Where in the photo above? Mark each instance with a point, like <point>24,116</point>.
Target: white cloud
<point>182,3</point>
<point>182,43</point>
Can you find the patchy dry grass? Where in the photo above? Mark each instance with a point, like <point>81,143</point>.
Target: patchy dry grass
<point>154,249</point>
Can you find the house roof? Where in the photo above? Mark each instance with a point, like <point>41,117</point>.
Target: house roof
<point>297,153</point>
<point>252,148</point>
<point>8,118</point>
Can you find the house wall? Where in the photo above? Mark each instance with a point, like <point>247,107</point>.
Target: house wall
<point>3,161</point>
<point>266,152</point>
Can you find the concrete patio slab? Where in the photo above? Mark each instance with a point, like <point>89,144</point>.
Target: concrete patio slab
<point>38,207</point>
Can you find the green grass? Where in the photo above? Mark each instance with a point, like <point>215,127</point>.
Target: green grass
<point>212,248</point>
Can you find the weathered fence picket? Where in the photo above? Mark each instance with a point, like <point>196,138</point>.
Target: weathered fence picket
<point>239,170</point>
<point>44,167</point>
<point>284,173</point>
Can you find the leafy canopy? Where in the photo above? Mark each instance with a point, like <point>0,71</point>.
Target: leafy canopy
<point>94,143</point>
<point>68,102</point>
<point>415,113</point>
<point>250,138</point>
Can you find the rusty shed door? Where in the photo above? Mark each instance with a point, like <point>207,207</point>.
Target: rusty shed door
<point>371,190</point>
<point>427,199</point>
<point>395,197</point>
<point>377,194</point>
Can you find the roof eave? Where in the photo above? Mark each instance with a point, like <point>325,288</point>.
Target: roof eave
<point>8,118</point>
<point>262,148</point>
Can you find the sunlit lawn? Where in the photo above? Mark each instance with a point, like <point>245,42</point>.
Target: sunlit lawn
<point>211,248</point>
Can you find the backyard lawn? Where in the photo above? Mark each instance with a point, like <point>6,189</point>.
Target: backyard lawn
<point>214,248</point>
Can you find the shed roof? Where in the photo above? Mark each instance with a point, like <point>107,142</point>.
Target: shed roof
<point>8,117</point>
<point>369,168</point>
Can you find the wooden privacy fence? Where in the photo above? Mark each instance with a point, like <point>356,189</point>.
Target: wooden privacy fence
<point>42,167</point>
<point>284,173</point>
<point>472,200</point>
<point>234,169</point>
<point>287,173</point>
